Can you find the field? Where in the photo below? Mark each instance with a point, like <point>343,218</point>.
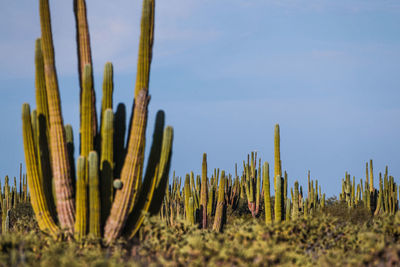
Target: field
<point>94,201</point>
<point>336,236</point>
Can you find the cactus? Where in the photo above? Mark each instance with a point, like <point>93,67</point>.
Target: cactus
<point>39,203</point>
<point>81,199</point>
<point>58,147</point>
<point>295,213</point>
<point>106,164</point>
<point>203,194</point>
<point>94,195</point>
<point>124,213</point>
<point>190,211</point>
<point>267,195</point>
<point>219,213</point>
<point>187,196</point>
<point>87,135</point>
<point>85,58</point>
<point>278,164</point>
<point>278,200</point>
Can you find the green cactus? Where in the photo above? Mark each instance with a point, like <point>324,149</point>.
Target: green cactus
<point>108,87</point>
<point>126,207</point>
<point>39,203</point>
<point>106,164</point>
<point>278,164</point>
<point>203,194</point>
<point>94,195</point>
<point>267,194</point>
<point>58,147</point>
<point>295,213</point>
<point>219,213</point>
<point>187,196</point>
<point>85,58</point>
<point>81,200</point>
<point>279,199</point>
<point>190,211</point>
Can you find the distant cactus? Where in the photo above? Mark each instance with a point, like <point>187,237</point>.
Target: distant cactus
<point>220,204</point>
<point>267,195</point>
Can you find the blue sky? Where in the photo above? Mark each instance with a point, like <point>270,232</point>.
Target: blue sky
<point>225,72</point>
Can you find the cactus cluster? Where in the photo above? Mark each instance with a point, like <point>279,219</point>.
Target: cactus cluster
<point>83,201</point>
<point>383,200</point>
<point>10,197</point>
<point>202,198</point>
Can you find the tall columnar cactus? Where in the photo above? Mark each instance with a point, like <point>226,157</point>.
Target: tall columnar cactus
<point>81,200</point>
<point>87,135</point>
<point>251,182</point>
<point>39,203</point>
<point>107,163</point>
<point>295,214</point>
<point>277,146</point>
<point>188,195</point>
<point>220,204</point>
<point>203,195</point>
<point>94,195</point>
<point>124,213</point>
<point>85,58</point>
<point>58,146</point>
<point>278,200</point>
<point>371,177</point>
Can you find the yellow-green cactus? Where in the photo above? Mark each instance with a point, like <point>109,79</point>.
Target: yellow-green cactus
<point>277,146</point>
<point>203,194</point>
<point>39,203</point>
<point>267,194</point>
<point>81,199</point>
<point>278,200</point>
<point>59,154</point>
<point>94,195</point>
<point>219,212</point>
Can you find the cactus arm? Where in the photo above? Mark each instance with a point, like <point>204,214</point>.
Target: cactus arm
<point>119,139</point>
<point>39,204</point>
<point>267,194</point>
<point>187,196</point>
<point>108,87</point>
<point>278,200</point>
<point>156,193</point>
<point>84,55</point>
<point>87,135</point>
<point>106,165</point>
<point>131,171</point>
<point>295,213</point>
<point>94,195</point>
<point>220,204</point>
<point>203,194</point>
<point>150,178</point>
<point>277,146</point>
<point>145,46</point>
<point>81,200</point>
<point>59,154</point>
